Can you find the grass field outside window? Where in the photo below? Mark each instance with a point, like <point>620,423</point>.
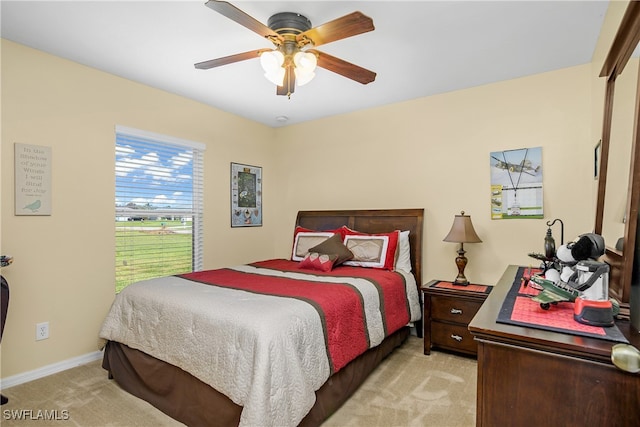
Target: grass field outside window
<point>162,248</point>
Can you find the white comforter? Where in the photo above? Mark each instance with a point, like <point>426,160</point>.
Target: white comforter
<point>266,353</point>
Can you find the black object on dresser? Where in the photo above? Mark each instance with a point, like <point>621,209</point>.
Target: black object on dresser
<point>448,309</point>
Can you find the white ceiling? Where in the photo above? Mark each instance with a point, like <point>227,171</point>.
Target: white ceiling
<point>418,48</point>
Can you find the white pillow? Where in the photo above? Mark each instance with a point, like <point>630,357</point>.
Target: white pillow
<point>404,253</point>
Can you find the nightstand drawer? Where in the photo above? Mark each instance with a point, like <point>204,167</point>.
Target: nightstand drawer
<point>453,337</point>
<point>452,309</point>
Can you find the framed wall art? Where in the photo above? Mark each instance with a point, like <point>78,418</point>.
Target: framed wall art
<point>246,195</point>
<point>516,183</point>
<point>33,179</point>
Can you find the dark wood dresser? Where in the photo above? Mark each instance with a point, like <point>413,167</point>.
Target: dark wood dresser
<point>532,377</point>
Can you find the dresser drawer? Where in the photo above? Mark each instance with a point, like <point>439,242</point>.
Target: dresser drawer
<point>452,309</point>
<point>453,337</point>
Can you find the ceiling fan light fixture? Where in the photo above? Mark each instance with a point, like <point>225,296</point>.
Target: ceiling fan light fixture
<point>306,62</point>
<point>276,76</point>
<point>271,62</point>
<point>303,77</point>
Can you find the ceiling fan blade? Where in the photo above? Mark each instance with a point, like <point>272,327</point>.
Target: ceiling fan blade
<point>212,63</point>
<point>349,25</point>
<point>289,85</point>
<point>230,11</point>
<point>344,68</point>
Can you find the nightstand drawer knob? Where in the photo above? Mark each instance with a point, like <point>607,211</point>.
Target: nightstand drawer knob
<point>456,311</point>
<point>456,337</point>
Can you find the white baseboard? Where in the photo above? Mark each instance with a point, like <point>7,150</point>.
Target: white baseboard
<point>49,369</point>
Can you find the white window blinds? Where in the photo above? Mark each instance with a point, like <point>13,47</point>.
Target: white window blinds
<point>158,206</point>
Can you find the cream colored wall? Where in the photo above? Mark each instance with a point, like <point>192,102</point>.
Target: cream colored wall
<point>64,271</point>
<point>433,153</point>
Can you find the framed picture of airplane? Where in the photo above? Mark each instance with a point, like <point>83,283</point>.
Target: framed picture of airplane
<point>516,183</point>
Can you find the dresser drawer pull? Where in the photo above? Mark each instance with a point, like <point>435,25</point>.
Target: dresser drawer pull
<point>456,337</point>
<point>455,311</point>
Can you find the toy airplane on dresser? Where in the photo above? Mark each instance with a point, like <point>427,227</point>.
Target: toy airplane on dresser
<point>587,288</point>
<point>553,293</point>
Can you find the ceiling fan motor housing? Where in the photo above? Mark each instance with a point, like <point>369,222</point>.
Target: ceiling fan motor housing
<point>289,23</point>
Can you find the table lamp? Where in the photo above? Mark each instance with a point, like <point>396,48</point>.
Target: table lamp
<point>462,232</point>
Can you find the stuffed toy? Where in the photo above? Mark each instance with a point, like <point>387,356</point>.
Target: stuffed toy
<point>584,247</point>
<point>587,246</point>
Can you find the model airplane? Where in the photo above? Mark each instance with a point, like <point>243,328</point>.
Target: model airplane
<point>524,166</point>
<point>553,293</point>
<point>588,287</point>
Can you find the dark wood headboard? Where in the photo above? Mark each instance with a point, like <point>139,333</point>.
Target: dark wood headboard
<point>373,221</point>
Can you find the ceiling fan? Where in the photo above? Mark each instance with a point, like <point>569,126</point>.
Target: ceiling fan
<point>292,35</point>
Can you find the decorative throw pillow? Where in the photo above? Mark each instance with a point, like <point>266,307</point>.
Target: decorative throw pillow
<point>334,245</point>
<point>372,250</point>
<point>319,262</point>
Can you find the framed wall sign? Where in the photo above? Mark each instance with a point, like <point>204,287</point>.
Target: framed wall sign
<point>516,183</point>
<point>246,195</point>
<point>33,179</point>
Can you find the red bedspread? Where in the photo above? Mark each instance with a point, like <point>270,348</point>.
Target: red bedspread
<point>339,305</point>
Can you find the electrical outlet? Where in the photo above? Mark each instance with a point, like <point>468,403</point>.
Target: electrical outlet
<point>42,331</point>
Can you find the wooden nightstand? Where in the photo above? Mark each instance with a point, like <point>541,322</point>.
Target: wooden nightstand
<point>448,309</point>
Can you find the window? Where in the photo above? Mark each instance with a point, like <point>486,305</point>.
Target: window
<point>158,200</point>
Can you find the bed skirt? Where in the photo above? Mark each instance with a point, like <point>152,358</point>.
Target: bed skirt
<point>194,403</point>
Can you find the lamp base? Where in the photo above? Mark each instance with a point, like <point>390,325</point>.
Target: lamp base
<point>461,281</point>
<point>461,263</point>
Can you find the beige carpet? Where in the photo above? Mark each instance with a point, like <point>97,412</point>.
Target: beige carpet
<point>407,389</point>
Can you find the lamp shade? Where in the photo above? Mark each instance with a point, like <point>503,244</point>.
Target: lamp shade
<point>305,63</point>
<point>462,230</point>
<point>271,62</point>
<point>303,78</point>
<point>276,76</point>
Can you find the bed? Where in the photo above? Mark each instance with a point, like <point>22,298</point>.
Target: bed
<point>186,373</point>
